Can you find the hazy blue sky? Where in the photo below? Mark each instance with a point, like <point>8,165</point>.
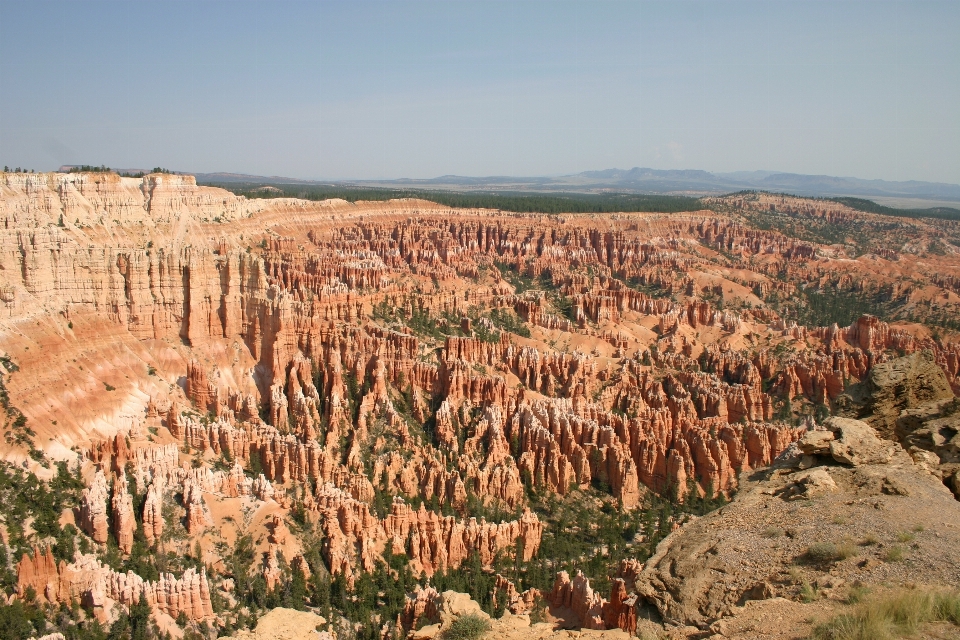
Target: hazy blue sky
<point>421,89</point>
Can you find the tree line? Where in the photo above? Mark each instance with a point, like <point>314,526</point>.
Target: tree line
<point>518,202</point>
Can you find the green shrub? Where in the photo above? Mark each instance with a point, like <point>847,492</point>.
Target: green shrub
<point>858,593</point>
<point>893,554</point>
<point>809,592</point>
<point>468,627</point>
<point>824,552</point>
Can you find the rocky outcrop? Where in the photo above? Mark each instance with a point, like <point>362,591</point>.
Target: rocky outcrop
<point>189,594</point>
<point>198,388</point>
<point>896,386</point>
<point>420,606</point>
<point>710,566</point>
<point>505,593</point>
<point>577,596</point>
<point>88,581</point>
<point>287,624</point>
<point>620,611</point>
<point>153,512</point>
<point>355,537</point>
<point>590,610</point>
<point>198,514</point>
<point>910,399</point>
<point>92,517</point>
<point>38,572</point>
<point>124,521</point>
<point>848,441</point>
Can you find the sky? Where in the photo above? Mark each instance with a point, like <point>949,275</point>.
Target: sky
<point>385,90</point>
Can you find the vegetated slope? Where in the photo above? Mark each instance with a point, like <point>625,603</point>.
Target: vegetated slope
<point>504,200</point>
<point>352,407</point>
<point>861,204</point>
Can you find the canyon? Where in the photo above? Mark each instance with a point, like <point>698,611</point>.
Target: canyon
<point>277,397</point>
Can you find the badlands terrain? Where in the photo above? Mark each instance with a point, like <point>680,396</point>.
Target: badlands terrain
<point>284,418</point>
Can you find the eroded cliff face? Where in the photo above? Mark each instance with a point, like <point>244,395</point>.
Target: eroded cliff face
<point>409,380</point>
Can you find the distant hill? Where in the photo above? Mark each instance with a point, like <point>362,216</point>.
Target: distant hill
<point>638,180</point>
<point>691,182</point>
<point>243,177</point>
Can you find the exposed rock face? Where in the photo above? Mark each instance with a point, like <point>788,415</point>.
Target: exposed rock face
<point>898,385</point>
<point>620,613</point>
<point>809,484</point>
<point>39,572</point>
<point>577,596</point>
<point>93,509</point>
<point>589,608</point>
<point>198,515</point>
<point>287,624</point>
<point>124,522</point>
<point>848,441</point>
<point>153,512</point>
<point>743,552</point>
<point>199,389</point>
<point>514,601</point>
<point>432,542</point>
<point>189,594</point>
<point>357,358</point>
<point>421,605</point>
<point>88,581</point>
<point>911,400</point>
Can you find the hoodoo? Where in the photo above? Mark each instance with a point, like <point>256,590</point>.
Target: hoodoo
<point>398,416</point>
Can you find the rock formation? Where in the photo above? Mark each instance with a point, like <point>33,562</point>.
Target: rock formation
<point>342,362</point>
<point>93,509</point>
<point>153,512</point>
<point>124,522</point>
<point>87,580</point>
<point>750,553</point>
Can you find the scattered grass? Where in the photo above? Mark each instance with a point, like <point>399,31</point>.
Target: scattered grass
<point>809,592</point>
<point>468,627</point>
<point>892,615</point>
<point>918,528</point>
<point>773,532</point>
<point>869,540</point>
<point>905,536</point>
<point>839,520</point>
<point>825,552</point>
<point>893,554</point>
<point>858,593</point>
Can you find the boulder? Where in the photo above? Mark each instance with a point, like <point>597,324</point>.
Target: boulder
<point>816,443</point>
<point>809,484</point>
<point>856,443</point>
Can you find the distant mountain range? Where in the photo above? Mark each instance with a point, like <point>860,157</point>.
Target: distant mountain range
<point>640,180</point>
<point>692,181</point>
